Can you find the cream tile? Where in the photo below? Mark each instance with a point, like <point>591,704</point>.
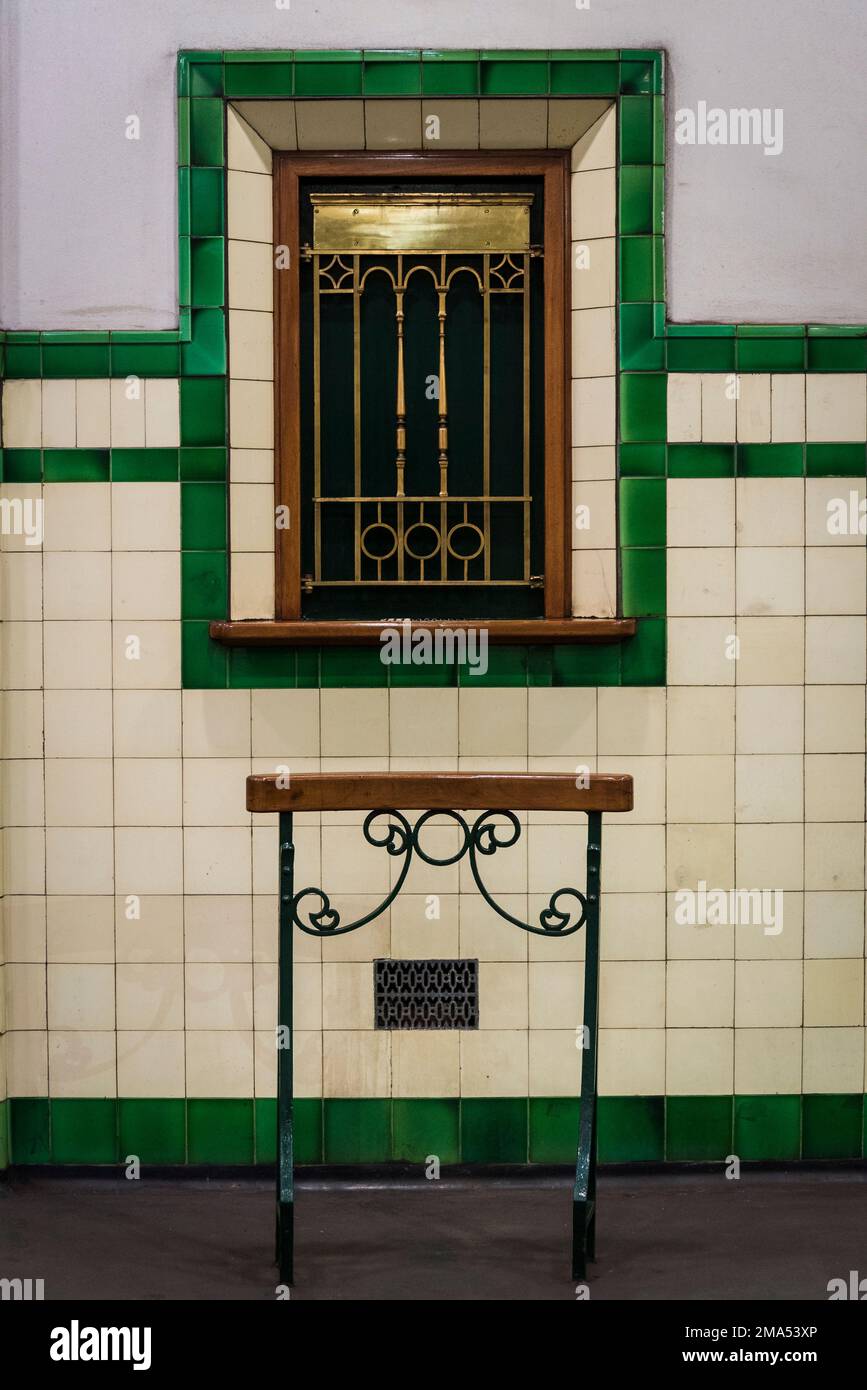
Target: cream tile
<point>354,719</point>
<point>754,408</point>
<point>251,513</point>
<point>771,856</point>
<point>217,860</point>
<point>425,1064</point>
<point>78,723</point>
<point>770,719</point>
<point>92,414</point>
<point>162,412</point>
<point>684,407</point>
<point>149,929</point>
<point>147,791</point>
<point>218,996</point>
<point>147,723</point>
<point>219,1063</point>
<point>833,857</point>
<point>561,721</point>
<point>392,125</point>
<point>569,120</point>
<point>214,791</point>
<point>82,1064</point>
<point>699,1061</point>
<point>216,723</point>
<point>634,861</point>
<point>79,930</point>
<point>250,277</point>
<point>79,861</point>
<point>330,125</point>
<point>150,861</point>
<point>21,586</point>
<point>251,345</point>
<point>594,464</point>
<point>21,655</point>
<point>833,1060</point>
<point>21,723</point>
<point>788,408</point>
<point>699,651</point>
<point>494,1062</point>
<point>78,516</point>
<point>58,414</point>
<point>700,789</point>
<point>146,585</point>
<point>77,655</point>
<point>593,342</point>
<point>633,926</point>
<point>700,994</point>
<point>718,408</point>
<point>21,791</point>
<point>767,1061</point>
<point>22,414</point>
<point>593,273</point>
<point>78,791</point>
<point>555,1063</point>
<point>769,788</point>
<point>218,929</point>
<point>246,149</point>
<point>150,998</point>
<point>145,516</point>
<point>486,936</point>
<point>249,206</point>
<point>449,125</point>
<point>128,413</point>
<point>631,1061</point>
<point>150,1065</point>
<point>836,406</point>
<point>556,995</point>
<point>356,1064</point>
<point>834,719</point>
<point>146,654</point>
<point>25,993</point>
<point>27,1063</point>
<point>479,735</point>
<point>771,651</point>
<point>700,512</point>
<point>701,583</point>
<point>594,583</point>
<point>833,993</point>
<point>631,720</point>
<point>594,520</point>
<point>502,995</point>
<point>770,580</point>
<point>77,584</point>
<point>426,719</point>
<point>510,125</point>
<point>596,148</point>
<point>836,580</point>
<point>594,411</point>
<point>285,723</point>
<point>632,994</point>
<point>701,719</point>
<point>827,499</point>
<point>593,203</point>
<point>835,651</point>
<point>770,511</point>
<point>251,465</point>
<point>251,417</point>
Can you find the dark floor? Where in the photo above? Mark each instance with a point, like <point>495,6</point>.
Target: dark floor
<point>768,1235</point>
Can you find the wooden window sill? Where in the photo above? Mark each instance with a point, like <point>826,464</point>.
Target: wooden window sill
<point>279,632</point>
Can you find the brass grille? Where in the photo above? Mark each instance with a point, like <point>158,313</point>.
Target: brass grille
<point>443,535</point>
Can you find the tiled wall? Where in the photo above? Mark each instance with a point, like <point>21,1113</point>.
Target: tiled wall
<point>140,910</point>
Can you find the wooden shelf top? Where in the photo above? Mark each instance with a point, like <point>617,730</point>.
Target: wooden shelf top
<point>487,791</point>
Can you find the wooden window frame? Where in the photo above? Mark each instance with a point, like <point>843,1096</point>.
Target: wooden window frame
<point>556,623</point>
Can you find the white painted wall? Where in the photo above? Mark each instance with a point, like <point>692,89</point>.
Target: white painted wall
<point>88,218</point>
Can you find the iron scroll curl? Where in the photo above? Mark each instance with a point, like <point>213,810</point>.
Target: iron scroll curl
<point>565,913</point>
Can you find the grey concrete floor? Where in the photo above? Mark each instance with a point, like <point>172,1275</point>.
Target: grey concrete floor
<point>697,1236</point>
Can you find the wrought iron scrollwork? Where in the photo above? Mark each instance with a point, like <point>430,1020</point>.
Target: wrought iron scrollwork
<point>401,840</point>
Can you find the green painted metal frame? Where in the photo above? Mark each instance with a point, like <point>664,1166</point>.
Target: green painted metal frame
<point>401,839</point>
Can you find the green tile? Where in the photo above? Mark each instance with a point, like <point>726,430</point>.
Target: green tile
<point>553,1129</point>
<point>642,460</point>
<point>636,129</point>
<point>23,361</point>
<point>710,354</point>
<point>155,1131</point>
<point>30,1129</point>
<point>424,1129</point>
<point>637,260</point>
<point>220,1131</point>
<point>203,662</point>
<point>269,55</point>
<point>442,676</point>
<point>840,355</point>
<point>79,360</point>
<point>770,354</point>
<point>262,667</point>
<point>494,1131</point>
<point>643,407</point>
<point>204,584</point>
<point>770,330</point>
<point>631,1129</point>
<point>22,465</point>
<point>203,411</point>
<point>642,511</point>
<point>207,202</point>
<point>157,359</point>
<point>586,663</point>
<point>832,1126</point>
<point>658,185</point>
<point>205,354</point>
<point>206,79</point>
<point>767,1127</point>
<point>506,666</point>
<point>352,666</point>
<point>4,1134</point>
<point>643,75</point>
<point>385,78</point>
<point>450,78</point>
<point>307,663</point>
<point>203,465</point>
<point>183,201</point>
<point>258,79</point>
<point>207,271</point>
<point>308,1130</point>
<point>500,77</point>
<point>357,1131</point>
<point>836,460</point>
<point>338,79</point>
<point>700,330</point>
<point>698,1128</point>
<point>183,130</point>
<point>701,460</point>
<point>265,1129</point>
<point>636,199</point>
<point>203,516</point>
<point>184,271</point>
<point>640,348</point>
<point>540,665</point>
<point>76,465</point>
<point>206,132</point>
<point>144,465</point>
<point>575,78</point>
<point>84,1131</point>
<point>643,583</point>
<point>642,660</point>
<point>770,460</point>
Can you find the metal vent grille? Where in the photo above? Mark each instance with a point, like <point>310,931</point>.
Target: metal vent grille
<point>426,993</point>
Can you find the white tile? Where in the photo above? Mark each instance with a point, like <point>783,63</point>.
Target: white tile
<point>128,413</point>
<point>684,407</point>
<point>754,408</point>
<point>162,413</point>
<point>718,407</point>
<point>836,406</point>
<point>788,408</point>
<point>22,414</point>
<point>92,413</point>
<point>58,414</point>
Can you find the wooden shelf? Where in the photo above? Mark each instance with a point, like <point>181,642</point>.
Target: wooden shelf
<point>488,791</point>
<point>261,632</point>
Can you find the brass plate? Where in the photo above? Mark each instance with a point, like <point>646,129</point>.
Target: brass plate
<point>420,222</point>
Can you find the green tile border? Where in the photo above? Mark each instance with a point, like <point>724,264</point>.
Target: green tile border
<point>649,347</point>
<point>511,1129</point>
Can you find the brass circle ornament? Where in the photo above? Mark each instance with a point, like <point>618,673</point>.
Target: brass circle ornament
<point>390,534</point>
<point>422,526</point>
<point>465,526</point>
